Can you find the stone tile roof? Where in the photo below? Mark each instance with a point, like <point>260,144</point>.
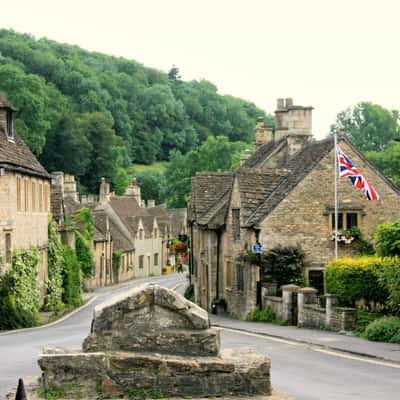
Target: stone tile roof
<point>125,206</point>
<point>178,217</point>
<point>299,166</point>
<point>121,235</point>
<point>256,185</point>
<point>206,189</point>
<point>17,156</point>
<point>262,153</point>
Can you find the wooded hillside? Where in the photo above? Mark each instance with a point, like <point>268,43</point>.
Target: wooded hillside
<point>92,115</point>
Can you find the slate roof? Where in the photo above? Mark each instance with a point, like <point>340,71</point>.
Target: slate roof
<point>15,154</point>
<point>262,153</point>
<point>178,220</point>
<point>260,189</point>
<point>298,167</point>
<point>207,188</point>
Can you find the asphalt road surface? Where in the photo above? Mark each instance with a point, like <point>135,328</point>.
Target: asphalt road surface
<point>304,372</point>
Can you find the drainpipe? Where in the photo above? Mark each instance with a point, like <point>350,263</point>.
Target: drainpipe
<point>218,232</point>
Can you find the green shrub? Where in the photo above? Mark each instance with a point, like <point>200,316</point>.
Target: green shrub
<point>352,279</point>
<point>387,239</point>
<point>390,278</point>
<point>364,318</point>
<point>72,279</point>
<point>386,329</point>
<point>283,265</point>
<point>19,291</point>
<point>266,314</point>
<point>12,316</point>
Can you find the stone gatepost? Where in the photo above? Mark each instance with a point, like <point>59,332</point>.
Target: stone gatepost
<point>287,302</point>
<point>331,300</point>
<point>307,295</point>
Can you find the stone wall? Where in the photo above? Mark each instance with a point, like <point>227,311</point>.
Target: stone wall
<point>275,303</point>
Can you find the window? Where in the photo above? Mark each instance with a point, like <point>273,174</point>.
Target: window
<point>33,190</point>
<point>228,274</point>
<point>141,261</point>
<point>346,220</point>
<point>155,233</point>
<point>140,234</point>
<point>351,220</point>
<point>8,248</point>
<point>10,129</point>
<point>155,260</point>
<point>240,277</point>
<point>46,197</point>
<point>236,223</point>
<point>40,187</point>
<point>19,203</point>
<point>26,195</point>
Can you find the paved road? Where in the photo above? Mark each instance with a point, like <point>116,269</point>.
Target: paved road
<point>19,351</point>
<point>302,371</point>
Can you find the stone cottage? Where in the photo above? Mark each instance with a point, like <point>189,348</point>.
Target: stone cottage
<point>280,195</point>
<point>122,224</point>
<point>24,196</point>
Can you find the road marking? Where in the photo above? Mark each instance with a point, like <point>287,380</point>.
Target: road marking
<point>318,349</point>
<point>274,339</point>
<point>362,359</point>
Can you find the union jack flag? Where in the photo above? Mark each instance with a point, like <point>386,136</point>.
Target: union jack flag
<point>348,170</point>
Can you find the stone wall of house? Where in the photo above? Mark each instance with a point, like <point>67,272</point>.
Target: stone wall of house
<point>304,216</point>
<point>28,226</point>
<point>103,273</point>
<point>240,302</point>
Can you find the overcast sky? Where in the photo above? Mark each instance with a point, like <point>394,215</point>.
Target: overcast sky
<point>327,54</point>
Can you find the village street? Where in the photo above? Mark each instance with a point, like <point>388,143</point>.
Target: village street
<point>302,371</point>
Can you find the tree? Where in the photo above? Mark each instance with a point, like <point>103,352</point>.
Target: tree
<point>370,126</point>
<point>388,161</point>
<point>152,184</point>
<point>215,154</point>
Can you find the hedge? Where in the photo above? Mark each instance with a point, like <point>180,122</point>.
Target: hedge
<point>386,329</point>
<point>390,278</point>
<point>352,279</point>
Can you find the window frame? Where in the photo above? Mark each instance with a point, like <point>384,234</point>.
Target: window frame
<point>9,126</point>
<point>8,248</point>
<point>344,216</point>
<point>240,277</point>
<point>141,262</point>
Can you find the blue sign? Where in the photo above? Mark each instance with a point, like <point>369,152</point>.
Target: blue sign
<point>257,248</point>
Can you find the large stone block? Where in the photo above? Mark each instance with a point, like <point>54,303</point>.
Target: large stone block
<point>154,319</point>
<point>235,372</point>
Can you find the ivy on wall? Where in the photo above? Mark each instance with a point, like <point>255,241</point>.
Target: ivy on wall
<point>54,285</point>
<point>72,278</point>
<point>116,263</point>
<point>83,240</point>
<point>19,292</point>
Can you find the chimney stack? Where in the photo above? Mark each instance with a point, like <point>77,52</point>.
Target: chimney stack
<point>151,203</point>
<point>134,191</point>
<point>262,133</point>
<point>104,194</point>
<point>70,187</point>
<point>245,156</point>
<point>292,120</point>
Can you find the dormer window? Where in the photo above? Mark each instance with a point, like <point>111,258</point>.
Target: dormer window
<point>10,128</point>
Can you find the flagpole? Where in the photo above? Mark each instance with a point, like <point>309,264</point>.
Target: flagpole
<point>336,195</point>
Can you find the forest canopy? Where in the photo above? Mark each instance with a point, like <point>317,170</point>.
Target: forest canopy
<point>92,115</point>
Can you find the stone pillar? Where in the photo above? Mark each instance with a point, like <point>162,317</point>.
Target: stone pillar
<point>287,300</point>
<point>331,300</point>
<point>306,295</point>
<point>104,192</point>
